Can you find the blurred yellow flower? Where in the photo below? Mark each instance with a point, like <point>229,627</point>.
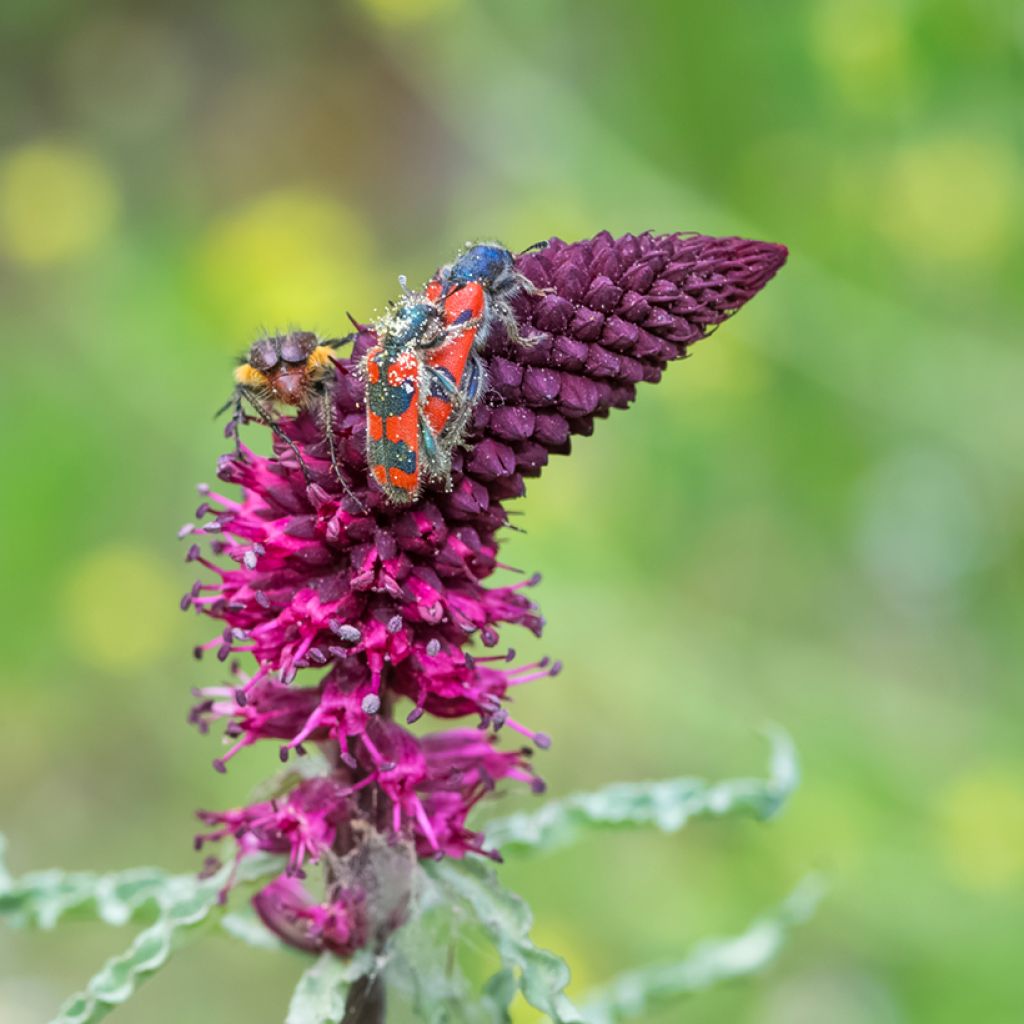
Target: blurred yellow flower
<point>289,259</point>
<point>952,201</point>
<point>399,12</point>
<point>982,826</point>
<point>118,608</point>
<point>57,202</point>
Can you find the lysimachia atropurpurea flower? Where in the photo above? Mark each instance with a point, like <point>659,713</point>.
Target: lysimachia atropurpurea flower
<point>362,617</point>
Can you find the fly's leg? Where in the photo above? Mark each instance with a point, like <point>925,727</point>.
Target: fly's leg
<point>233,428</point>
<point>327,425</point>
<point>264,414</point>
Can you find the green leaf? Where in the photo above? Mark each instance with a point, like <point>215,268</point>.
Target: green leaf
<point>247,926</point>
<point>638,993</point>
<point>322,991</point>
<point>42,899</point>
<point>178,905</point>
<point>542,976</point>
<point>424,963</point>
<point>668,805</point>
<point>121,975</point>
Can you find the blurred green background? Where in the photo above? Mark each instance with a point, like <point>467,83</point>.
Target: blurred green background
<point>815,521</point>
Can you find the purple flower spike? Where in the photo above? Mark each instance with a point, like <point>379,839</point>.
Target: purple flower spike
<point>350,605</point>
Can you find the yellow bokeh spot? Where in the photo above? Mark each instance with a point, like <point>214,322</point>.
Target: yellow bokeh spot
<point>289,259</point>
<point>982,822</point>
<point>117,608</point>
<point>952,202</point>
<point>863,47</point>
<point>402,12</point>
<point>57,202</point>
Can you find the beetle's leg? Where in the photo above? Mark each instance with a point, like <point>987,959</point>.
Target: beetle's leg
<point>437,459</point>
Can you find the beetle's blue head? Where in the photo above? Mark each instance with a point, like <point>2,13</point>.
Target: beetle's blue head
<point>414,324</point>
<point>483,263</point>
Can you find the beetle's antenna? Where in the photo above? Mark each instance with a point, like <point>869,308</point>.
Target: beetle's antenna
<point>536,247</point>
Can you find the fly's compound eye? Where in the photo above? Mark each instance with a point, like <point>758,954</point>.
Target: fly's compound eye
<point>297,346</point>
<point>264,355</point>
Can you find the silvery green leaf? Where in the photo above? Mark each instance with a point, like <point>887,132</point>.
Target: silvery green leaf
<point>499,992</point>
<point>424,968</point>
<point>41,899</point>
<point>178,905</point>
<point>246,926</point>
<point>667,805</point>
<point>121,975</point>
<point>542,976</point>
<point>636,994</point>
<point>323,989</point>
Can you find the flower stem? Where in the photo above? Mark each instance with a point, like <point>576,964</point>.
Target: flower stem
<point>366,1002</point>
